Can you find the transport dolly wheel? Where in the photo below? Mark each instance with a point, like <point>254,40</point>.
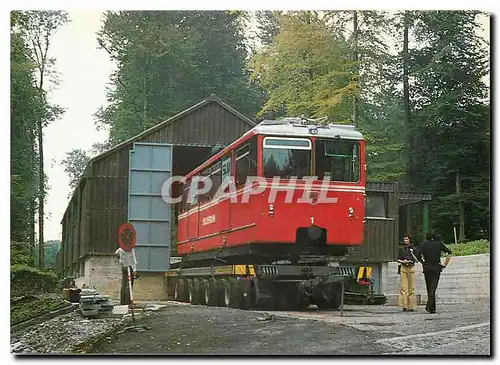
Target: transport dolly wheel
<point>180,290</point>
<point>187,291</point>
<point>221,292</point>
<point>211,292</point>
<point>194,291</point>
<point>203,292</point>
<point>225,293</point>
<point>248,294</point>
<point>333,299</point>
<point>235,294</point>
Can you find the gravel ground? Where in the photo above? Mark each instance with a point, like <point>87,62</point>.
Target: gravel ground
<point>180,329</point>
<point>64,334</point>
<point>177,328</point>
<point>460,328</point>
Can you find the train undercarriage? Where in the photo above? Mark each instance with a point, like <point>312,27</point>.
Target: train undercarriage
<point>247,286</point>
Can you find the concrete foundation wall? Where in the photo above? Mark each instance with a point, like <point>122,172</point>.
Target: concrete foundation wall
<point>104,273</point>
<point>467,278</point>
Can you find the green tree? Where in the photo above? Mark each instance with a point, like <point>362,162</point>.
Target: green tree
<point>75,162</point>
<point>170,60</point>
<point>26,104</point>
<point>267,25</point>
<point>37,29</point>
<point>305,70</point>
<point>376,110</point>
<point>450,120</point>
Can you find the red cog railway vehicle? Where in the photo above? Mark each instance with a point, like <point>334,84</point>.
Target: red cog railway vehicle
<point>275,237</point>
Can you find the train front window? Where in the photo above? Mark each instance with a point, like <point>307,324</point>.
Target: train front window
<point>286,157</point>
<point>338,159</point>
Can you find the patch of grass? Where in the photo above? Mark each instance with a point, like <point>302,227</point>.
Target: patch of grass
<point>32,306</point>
<point>470,248</point>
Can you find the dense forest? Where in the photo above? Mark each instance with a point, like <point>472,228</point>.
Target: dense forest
<point>32,73</point>
<point>413,82</point>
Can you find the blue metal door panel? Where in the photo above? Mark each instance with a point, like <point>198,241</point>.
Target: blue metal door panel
<point>149,167</point>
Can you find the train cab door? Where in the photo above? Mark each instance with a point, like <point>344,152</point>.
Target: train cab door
<point>224,205</point>
<point>192,217</point>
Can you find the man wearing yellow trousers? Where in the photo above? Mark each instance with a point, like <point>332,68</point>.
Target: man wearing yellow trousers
<point>406,297</point>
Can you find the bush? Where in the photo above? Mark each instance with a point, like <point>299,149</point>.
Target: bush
<point>29,280</point>
<point>470,248</point>
<point>31,306</point>
<point>20,254</point>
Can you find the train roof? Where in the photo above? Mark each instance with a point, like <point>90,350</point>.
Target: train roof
<point>302,127</point>
<point>299,127</point>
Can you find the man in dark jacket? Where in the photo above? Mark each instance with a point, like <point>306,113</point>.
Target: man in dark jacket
<point>430,256</point>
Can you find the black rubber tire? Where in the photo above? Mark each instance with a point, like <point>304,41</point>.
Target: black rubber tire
<point>235,294</point>
<point>297,300</point>
<point>279,298</point>
<point>225,297</point>
<point>194,291</point>
<point>203,285</point>
<point>335,292</point>
<point>187,291</point>
<point>248,294</point>
<point>213,292</point>
<point>180,290</point>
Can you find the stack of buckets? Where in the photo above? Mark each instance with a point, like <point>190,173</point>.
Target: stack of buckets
<point>92,304</point>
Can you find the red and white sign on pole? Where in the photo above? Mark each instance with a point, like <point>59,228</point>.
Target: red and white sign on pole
<point>127,236</point>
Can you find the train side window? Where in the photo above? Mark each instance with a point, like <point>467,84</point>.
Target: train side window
<point>242,164</point>
<point>205,175</point>
<point>185,194</point>
<point>246,161</point>
<point>216,178</point>
<point>226,167</point>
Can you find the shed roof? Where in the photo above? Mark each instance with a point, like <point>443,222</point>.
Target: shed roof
<point>212,98</point>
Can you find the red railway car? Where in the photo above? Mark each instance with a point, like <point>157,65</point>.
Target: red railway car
<point>288,190</point>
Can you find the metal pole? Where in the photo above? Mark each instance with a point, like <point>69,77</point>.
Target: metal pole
<point>130,290</point>
<point>426,217</point>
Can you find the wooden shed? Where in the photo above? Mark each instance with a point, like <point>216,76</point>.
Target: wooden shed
<point>124,184</point>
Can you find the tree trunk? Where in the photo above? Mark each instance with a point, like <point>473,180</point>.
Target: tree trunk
<point>461,230</point>
<point>30,132</point>
<point>41,182</point>
<point>406,102</point>
<point>355,109</point>
<point>31,230</point>
<point>41,193</point>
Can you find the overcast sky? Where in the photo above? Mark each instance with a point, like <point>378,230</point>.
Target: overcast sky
<point>84,71</point>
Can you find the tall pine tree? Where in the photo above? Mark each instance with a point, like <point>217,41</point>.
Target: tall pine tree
<point>451,120</point>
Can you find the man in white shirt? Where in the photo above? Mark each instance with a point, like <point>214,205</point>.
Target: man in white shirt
<point>127,259</point>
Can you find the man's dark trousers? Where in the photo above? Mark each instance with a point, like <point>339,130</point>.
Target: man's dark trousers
<point>431,282</point>
<point>124,291</point>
